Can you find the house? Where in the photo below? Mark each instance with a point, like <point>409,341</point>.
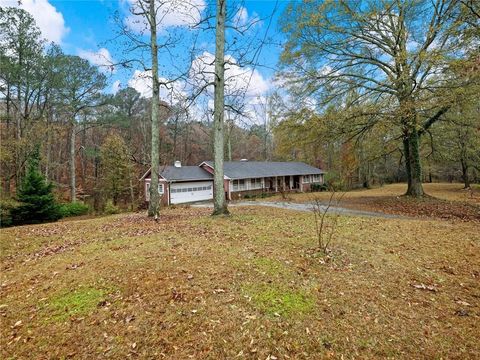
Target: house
<point>182,184</point>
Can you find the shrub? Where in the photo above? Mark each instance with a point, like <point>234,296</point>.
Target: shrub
<point>74,209</point>
<point>110,208</point>
<point>37,202</point>
<point>319,187</point>
<point>6,206</point>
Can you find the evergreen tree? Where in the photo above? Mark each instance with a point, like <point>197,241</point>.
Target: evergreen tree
<point>35,195</point>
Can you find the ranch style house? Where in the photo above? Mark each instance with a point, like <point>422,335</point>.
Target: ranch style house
<point>183,184</point>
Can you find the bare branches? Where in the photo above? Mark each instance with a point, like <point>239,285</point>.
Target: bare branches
<point>325,227</point>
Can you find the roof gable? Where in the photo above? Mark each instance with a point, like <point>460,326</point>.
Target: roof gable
<point>183,173</point>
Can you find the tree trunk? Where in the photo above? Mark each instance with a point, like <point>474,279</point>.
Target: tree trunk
<point>465,178</point>
<point>229,143</point>
<point>413,165</point>
<point>406,150</point>
<point>73,190</point>
<point>154,204</point>
<point>219,202</point>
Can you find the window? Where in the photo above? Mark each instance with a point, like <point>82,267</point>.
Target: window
<point>306,179</point>
<point>160,188</point>
<point>316,178</point>
<point>256,183</point>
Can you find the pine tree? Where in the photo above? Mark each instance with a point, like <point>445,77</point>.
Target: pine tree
<point>36,197</point>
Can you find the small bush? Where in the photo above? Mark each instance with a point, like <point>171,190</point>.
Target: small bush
<point>110,208</point>
<point>318,187</point>
<point>6,206</point>
<point>74,209</point>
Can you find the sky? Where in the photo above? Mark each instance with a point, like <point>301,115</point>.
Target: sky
<point>88,28</point>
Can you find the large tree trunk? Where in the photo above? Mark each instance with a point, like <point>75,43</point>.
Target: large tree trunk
<point>154,204</point>
<point>413,165</point>
<point>220,205</point>
<point>219,202</point>
<point>73,190</point>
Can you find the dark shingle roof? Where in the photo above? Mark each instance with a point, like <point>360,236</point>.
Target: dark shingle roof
<point>255,169</point>
<point>172,173</point>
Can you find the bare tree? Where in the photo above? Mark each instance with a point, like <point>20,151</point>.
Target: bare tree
<point>219,201</point>
<point>325,227</point>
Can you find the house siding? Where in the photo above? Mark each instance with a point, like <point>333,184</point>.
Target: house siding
<point>165,197</point>
<point>270,184</point>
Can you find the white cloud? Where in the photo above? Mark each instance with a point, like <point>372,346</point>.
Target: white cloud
<point>142,82</point>
<point>116,86</point>
<point>244,86</point>
<point>238,80</point>
<point>170,13</point>
<point>241,17</point>
<point>101,58</point>
<point>48,18</point>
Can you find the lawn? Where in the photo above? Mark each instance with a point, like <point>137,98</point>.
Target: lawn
<point>443,201</point>
<point>246,286</point>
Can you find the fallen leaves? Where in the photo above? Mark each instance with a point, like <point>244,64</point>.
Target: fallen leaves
<point>431,288</point>
<point>17,324</point>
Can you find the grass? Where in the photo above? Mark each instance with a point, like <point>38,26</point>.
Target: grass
<point>444,191</point>
<point>277,301</point>
<point>444,201</point>
<point>246,286</point>
<point>77,302</point>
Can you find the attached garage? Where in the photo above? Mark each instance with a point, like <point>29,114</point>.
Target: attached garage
<point>181,184</point>
<point>185,192</point>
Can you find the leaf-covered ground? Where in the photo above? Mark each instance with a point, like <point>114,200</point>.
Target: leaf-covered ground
<point>247,286</point>
<point>443,201</point>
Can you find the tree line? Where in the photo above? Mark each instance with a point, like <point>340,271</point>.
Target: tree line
<point>391,89</point>
<point>92,145</point>
<point>371,91</point>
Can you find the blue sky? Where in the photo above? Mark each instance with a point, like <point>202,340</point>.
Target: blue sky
<point>86,28</point>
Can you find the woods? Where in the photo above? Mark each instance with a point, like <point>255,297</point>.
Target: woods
<point>394,69</point>
<point>372,92</point>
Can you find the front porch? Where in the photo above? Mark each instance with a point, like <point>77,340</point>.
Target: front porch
<point>256,186</point>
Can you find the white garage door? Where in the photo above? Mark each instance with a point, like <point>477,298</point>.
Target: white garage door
<point>191,191</point>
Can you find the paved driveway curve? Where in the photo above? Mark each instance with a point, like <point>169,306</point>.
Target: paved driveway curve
<point>308,207</point>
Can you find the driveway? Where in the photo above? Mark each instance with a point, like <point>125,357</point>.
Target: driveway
<point>307,207</point>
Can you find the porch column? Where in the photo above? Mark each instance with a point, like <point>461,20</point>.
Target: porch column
<point>276,184</point>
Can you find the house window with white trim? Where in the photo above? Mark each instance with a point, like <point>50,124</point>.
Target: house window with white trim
<point>239,185</point>
<point>316,178</point>
<point>306,179</point>
<point>160,188</point>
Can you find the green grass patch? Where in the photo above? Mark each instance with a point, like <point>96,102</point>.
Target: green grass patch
<point>269,266</point>
<point>75,303</point>
<point>274,300</point>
